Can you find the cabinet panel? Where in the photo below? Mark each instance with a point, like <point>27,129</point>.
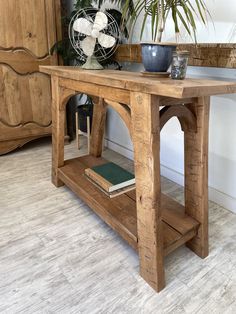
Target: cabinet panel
<point>24,98</point>
<point>27,24</point>
<point>28,30</point>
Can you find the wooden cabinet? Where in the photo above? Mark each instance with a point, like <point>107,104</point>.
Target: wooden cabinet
<point>28,30</point>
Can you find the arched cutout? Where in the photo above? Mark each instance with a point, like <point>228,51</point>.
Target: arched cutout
<point>122,109</point>
<point>185,116</point>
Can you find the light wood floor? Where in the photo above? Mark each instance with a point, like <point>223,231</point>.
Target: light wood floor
<point>56,256</point>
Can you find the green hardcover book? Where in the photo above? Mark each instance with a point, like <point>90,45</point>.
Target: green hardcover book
<point>110,176</point>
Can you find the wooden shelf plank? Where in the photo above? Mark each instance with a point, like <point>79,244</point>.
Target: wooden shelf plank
<point>174,214</point>
<point>120,212</point>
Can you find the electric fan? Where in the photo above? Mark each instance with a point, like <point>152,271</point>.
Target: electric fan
<point>94,35</point>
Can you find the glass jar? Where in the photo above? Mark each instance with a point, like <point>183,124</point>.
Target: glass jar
<point>179,65</point>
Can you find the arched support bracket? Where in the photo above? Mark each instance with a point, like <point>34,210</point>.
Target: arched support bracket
<point>65,95</point>
<point>185,116</point>
<point>123,111</point>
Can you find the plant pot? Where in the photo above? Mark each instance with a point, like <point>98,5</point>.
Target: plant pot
<point>85,111</point>
<point>157,57</point>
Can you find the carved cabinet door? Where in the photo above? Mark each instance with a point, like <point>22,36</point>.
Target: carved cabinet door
<point>28,30</point>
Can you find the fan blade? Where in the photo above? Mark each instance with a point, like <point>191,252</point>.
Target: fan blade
<point>83,26</point>
<point>106,41</point>
<point>88,45</point>
<point>100,22</point>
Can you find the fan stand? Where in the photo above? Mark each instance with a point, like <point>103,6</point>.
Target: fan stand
<point>92,64</point>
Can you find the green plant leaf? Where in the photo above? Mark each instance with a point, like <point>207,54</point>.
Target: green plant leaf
<point>182,12</point>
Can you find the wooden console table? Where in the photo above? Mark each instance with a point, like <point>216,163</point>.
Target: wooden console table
<point>149,221</point>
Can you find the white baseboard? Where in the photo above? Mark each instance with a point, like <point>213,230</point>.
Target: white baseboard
<point>172,175</point>
<point>222,199</point>
<point>216,196</point>
<point>124,151</point>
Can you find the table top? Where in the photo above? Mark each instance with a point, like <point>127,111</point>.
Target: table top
<point>135,81</point>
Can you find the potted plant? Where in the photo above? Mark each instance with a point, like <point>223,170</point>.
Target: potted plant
<point>157,55</point>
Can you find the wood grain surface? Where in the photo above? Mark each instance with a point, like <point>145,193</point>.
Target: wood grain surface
<point>146,141</point>
<point>28,28</point>
<point>26,24</point>
<point>110,81</point>
<point>196,174</point>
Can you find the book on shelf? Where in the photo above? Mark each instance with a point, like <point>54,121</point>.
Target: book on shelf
<point>111,178</point>
<point>115,193</point>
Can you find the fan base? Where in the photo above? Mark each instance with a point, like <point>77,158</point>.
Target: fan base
<point>92,64</point>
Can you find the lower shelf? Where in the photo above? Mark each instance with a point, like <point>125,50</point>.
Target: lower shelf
<point>120,212</point>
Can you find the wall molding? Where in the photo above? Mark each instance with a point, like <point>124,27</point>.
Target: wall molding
<point>216,196</point>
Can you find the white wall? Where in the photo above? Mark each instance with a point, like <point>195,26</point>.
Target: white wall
<point>221,27</point>
<point>222,145</point>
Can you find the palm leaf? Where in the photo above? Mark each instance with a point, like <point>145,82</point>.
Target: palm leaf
<point>182,12</point>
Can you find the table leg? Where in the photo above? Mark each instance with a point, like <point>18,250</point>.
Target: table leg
<point>58,132</point>
<point>196,175</point>
<point>146,140</point>
<point>98,127</point>
<point>77,129</point>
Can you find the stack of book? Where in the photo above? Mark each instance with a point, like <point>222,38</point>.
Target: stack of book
<point>112,179</point>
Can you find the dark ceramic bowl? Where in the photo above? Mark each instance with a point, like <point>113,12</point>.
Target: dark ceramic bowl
<point>157,57</point>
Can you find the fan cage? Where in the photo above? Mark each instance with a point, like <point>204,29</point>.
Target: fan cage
<point>100,52</point>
